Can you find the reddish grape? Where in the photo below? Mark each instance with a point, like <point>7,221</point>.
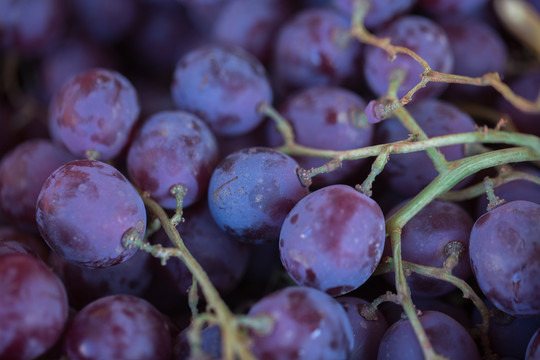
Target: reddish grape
<point>33,307</point>
<point>118,327</point>
<point>504,251</point>
<point>172,147</point>
<point>333,239</point>
<point>84,209</point>
<point>307,324</point>
<point>94,111</point>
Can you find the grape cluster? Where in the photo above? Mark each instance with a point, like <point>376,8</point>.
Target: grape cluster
<point>269,179</point>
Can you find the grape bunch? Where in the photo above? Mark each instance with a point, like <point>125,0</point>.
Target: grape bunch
<point>269,179</point>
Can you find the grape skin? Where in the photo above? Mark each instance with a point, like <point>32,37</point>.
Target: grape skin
<point>252,190</point>
<point>33,307</point>
<point>94,111</point>
<point>307,324</point>
<point>173,147</point>
<point>380,11</point>
<point>118,327</point>
<point>504,251</point>
<point>445,334</point>
<point>332,239</point>
<point>533,349</point>
<point>84,209</point>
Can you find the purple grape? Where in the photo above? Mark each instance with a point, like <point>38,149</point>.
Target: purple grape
<point>325,118</point>
<point>380,11</point>
<point>106,21</point>
<point>315,48</point>
<point>445,334</point>
<point>333,239</point>
<point>172,147</point>
<point>31,27</point>
<point>526,85</point>
<point>118,327</point>
<point>33,307</point>
<point>223,86</point>
<point>533,350</point>
<point>367,333</point>
<point>424,241</point>
<point>470,36</point>
<point>424,37</point>
<point>446,8</point>
<point>251,25</point>
<point>15,241</point>
<point>222,257</point>
<point>408,174</point>
<point>84,285</point>
<point>252,190</point>
<point>94,111</point>
<point>504,250</point>
<point>22,174</point>
<point>211,344</point>
<point>307,324</point>
<point>84,209</point>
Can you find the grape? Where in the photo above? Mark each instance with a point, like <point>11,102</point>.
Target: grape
<point>251,191</point>
<point>33,307</point>
<point>94,111</point>
<point>172,147</point>
<point>408,174</point>
<point>468,36</point>
<point>251,25</point>
<point>84,209</point>
<point>315,48</point>
<point>84,285</point>
<point>223,86</point>
<point>424,37</point>
<point>445,334</point>
<point>326,118</point>
<point>22,174</point>
<point>211,344</point>
<point>106,21</point>
<point>380,11</point>
<point>504,250</point>
<point>333,239</point>
<point>533,350</point>
<point>118,327</point>
<point>307,324</point>
<point>31,26</point>
<point>367,333</point>
<point>425,240</point>
<point>222,257</point>
<point>526,85</point>
<point>15,241</point>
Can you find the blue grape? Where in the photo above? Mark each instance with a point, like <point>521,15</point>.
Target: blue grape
<point>94,111</point>
<point>251,25</point>
<point>84,209</point>
<point>380,11</point>
<point>419,34</point>
<point>223,86</point>
<point>449,8</point>
<point>16,241</point>
<point>504,250</point>
<point>315,48</point>
<point>307,324</point>
<point>445,334</point>
<point>211,344</point>
<point>172,147</point>
<point>252,190</point>
<point>367,333</point>
<point>424,240</point>
<point>333,239</point>
<point>118,327</point>
<point>33,307</point>
<point>408,174</point>
<point>325,117</point>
